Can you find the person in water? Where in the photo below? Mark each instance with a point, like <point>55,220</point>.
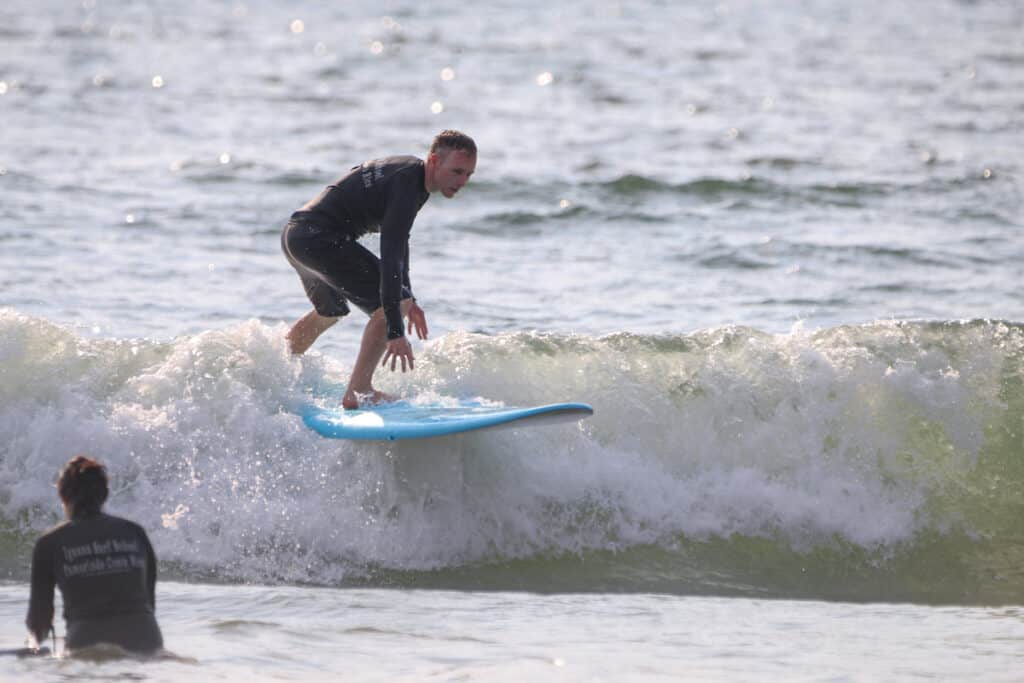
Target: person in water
<point>319,241</point>
<point>104,565</point>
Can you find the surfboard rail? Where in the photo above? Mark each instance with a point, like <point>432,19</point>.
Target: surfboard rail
<point>407,420</point>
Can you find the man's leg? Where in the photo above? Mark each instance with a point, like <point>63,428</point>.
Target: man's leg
<point>371,350</point>
<point>306,330</point>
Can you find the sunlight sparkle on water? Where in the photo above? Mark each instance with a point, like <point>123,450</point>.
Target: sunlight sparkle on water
<point>376,47</point>
<point>437,107</point>
<point>298,26</point>
<point>158,81</point>
<point>224,158</point>
<point>545,78</point>
<point>447,73</point>
<point>3,87</point>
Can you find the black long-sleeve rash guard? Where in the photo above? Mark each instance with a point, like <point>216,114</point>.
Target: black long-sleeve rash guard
<point>382,194</point>
<point>104,566</point>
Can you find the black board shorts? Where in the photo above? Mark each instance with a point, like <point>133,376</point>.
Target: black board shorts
<point>334,268</point>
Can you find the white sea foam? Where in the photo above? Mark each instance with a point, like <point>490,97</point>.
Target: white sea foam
<point>849,433</point>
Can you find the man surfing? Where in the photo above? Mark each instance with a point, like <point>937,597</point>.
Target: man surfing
<point>320,242</point>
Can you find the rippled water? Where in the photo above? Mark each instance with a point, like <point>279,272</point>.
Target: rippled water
<point>643,167</point>
<point>317,635</point>
<point>750,234</point>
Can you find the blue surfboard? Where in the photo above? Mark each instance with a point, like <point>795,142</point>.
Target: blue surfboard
<point>407,420</point>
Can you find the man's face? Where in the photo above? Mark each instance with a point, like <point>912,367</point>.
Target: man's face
<point>452,170</point>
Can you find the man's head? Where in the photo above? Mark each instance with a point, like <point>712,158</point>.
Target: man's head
<point>452,160</point>
<point>83,485</point>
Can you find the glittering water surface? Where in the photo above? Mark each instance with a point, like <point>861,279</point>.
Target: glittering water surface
<point>776,246</point>
<point>644,167</point>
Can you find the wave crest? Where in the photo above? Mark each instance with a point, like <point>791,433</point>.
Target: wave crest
<point>878,447</point>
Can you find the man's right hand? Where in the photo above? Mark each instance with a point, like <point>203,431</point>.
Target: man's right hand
<point>399,348</point>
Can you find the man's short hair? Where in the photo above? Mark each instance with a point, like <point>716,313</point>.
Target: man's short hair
<point>453,141</point>
<point>83,485</point>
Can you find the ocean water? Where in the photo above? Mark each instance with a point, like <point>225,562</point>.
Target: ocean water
<point>777,248</point>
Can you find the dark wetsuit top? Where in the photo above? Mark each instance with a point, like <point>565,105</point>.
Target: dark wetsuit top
<point>380,195</point>
<point>106,570</point>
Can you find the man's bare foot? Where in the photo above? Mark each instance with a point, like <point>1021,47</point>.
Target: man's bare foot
<point>354,400</point>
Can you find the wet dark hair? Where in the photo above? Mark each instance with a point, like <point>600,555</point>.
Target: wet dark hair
<point>454,141</point>
<point>83,485</point>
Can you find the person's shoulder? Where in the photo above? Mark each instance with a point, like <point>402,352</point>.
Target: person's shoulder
<point>53,534</point>
<point>410,173</point>
<point>402,166</point>
<point>402,161</point>
<point>56,529</point>
<point>114,520</point>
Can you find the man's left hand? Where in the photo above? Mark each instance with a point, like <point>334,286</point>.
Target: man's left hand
<point>417,321</point>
